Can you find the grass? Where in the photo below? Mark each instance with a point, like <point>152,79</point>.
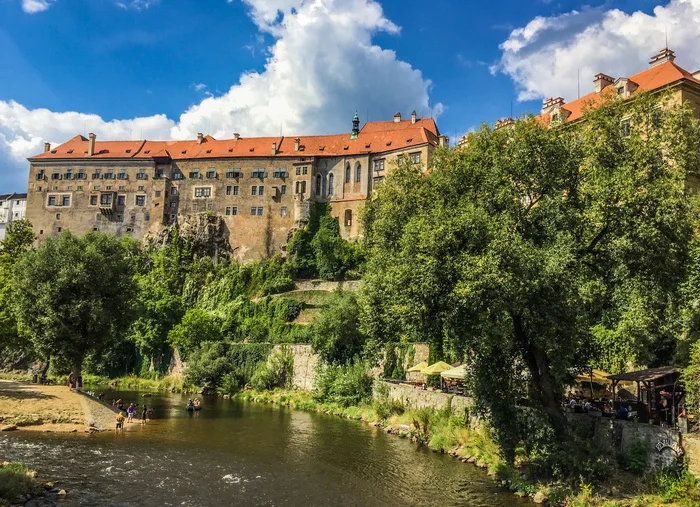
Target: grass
<point>167,383</point>
<point>16,481</point>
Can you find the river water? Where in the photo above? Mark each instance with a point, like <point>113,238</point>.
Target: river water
<point>238,453</point>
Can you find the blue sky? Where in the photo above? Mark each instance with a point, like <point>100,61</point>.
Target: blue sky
<point>170,68</point>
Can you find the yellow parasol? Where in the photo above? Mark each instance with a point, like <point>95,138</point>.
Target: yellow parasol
<point>418,368</point>
<point>436,368</point>
<point>598,376</point>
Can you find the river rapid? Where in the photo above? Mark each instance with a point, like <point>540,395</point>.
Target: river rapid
<point>239,453</point>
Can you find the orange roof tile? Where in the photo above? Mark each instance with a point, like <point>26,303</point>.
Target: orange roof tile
<point>375,137</point>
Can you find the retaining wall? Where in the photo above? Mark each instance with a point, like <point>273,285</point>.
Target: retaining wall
<point>413,397</point>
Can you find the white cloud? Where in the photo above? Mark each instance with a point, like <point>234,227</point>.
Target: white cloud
<point>322,66</point>
<point>545,57</point>
<point>138,5</point>
<point>34,6</point>
<point>198,87</point>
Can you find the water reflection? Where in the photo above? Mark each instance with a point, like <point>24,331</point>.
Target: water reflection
<point>235,453</point>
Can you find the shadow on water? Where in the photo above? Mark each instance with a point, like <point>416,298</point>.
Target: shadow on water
<point>237,453</point>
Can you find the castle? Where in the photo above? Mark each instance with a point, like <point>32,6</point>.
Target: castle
<point>261,187</point>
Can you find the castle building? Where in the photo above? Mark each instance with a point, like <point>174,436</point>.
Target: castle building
<point>261,188</point>
<point>662,75</point>
<point>12,207</point>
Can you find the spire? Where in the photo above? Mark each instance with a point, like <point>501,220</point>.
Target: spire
<point>355,127</point>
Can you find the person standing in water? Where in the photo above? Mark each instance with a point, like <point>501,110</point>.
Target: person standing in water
<point>120,422</point>
<point>130,411</point>
<point>144,413</point>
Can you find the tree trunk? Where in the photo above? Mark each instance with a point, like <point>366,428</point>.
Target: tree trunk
<point>538,365</point>
<point>45,367</point>
<point>76,371</point>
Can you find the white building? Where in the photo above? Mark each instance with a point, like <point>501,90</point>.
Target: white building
<point>12,207</point>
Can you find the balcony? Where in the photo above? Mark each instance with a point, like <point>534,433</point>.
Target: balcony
<point>108,201</point>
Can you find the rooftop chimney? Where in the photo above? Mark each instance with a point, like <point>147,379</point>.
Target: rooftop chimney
<point>47,147</point>
<point>413,117</point>
<point>397,117</point>
<point>602,81</point>
<point>91,144</point>
<point>236,136</point>
<point>663,56</point>
<point>296,143</point>
<point>274,149</point>
<point>550,104</point>
<point>200,138</point>
<point>444,141</point>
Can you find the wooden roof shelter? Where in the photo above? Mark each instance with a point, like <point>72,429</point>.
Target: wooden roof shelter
<point>654,381</point>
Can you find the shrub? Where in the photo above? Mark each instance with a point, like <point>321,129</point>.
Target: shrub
<point>14,482</point>
<point>346,385</point>
<point>382,404</point>
<point>336,335</point>
<point>223,366</point>
<point>638,458</point>
<point>277,371</point>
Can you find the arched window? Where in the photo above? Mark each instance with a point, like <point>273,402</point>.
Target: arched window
<point>358,173</point>
<point>348,217</point>
<point>347,173</point>
<point>318,184</point>
<point>331,181</point>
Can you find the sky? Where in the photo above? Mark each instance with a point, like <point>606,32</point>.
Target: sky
<point>168,69</point>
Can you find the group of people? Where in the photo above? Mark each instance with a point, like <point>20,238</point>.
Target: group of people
<point>146,414</point>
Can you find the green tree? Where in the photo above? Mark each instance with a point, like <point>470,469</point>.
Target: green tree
<point>532,249</point>
<point>336,336</point>
<point>197,327</point>
<point>18,240</point>
<point>71,296</point>
<point>332,254</point>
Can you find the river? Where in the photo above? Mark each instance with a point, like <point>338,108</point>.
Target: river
<point>248,454</point>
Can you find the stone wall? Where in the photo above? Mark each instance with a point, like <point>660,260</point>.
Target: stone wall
<point>305,362</point>
<point>421,354</point>
<point>414,397</point>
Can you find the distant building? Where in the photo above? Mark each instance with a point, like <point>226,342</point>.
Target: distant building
<point>12,207</point>
<point>261,187</point>
<point>662,75</point>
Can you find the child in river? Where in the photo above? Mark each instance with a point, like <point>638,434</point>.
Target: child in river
<point>144,413</point>
<point>120,423</point>
<point>130,411</point>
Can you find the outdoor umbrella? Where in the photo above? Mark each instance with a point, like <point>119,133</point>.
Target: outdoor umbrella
<point>437,368</point>
<point>418,368</point>
<point>459,373</point>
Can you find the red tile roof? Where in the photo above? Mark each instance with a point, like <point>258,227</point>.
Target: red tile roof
<point>650,79</point>
<point>375,137</point>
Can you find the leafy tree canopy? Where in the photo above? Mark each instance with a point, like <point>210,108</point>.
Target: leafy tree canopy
<point>197,326</point>
<point>537,250</point>
<point>336,336</point>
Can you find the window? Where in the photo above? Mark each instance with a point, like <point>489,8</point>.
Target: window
<point>132,218</point>
<point>140,200</point>
<point>258,172</point>
<point>260,211</point>
<point>621,90</point>
<point>109,187</point>
<point>122,175</point>
<point>235,190</point>
<point>95,187</point>
<point>79,187</point>
<point>157,193</point>
<point>347,173</point>
<point>56,175</point>
<point>81,176</point>
<point>298,171</point>
<point>69,187</point>
<point>252,211</point>
<point>141,175</point>
<point>98,217</point>
<point>69,174</point>
<point>173,217</point>
<point>147,217</point>
<point>65,201</point>
<point>106,200</point>
<point>96,175</point>
<point>54,188</point>
<point>120,218</point>
<point>211,173</point>
<point>177,175</point>
<point>40,175</point>
<point>58,216</point>
<point>173,192</point>
<point>173,204</point>
<point>229,190</point>
<point>234,211</point>
<point>59,229</point>
<point>304,170</point>
<point>210,205</point>
<point>202,192</point>
<point>195,174</point>
<point>234,173</point>
<point>254,190</point>
<point>93,200</point>
<point>261,190</point>
<point>348,217</point>
<point>283,211</point>
<point>38,189</point>
<point>280,172</point>
<point>283,189</point>
<point>140,188</point>
<point>300,187</point>
<point>331,183</point>
<point>379,165</point>
<point>122,188</point>
<point>194,206</point>
<point>228,211</point>
<point>379,180</point>
<point>121,200</point>
<point>625,128</point>
<point>358,173</point>
<point>109,175</point>
<point>318,184</point>
<point>415,158</point>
